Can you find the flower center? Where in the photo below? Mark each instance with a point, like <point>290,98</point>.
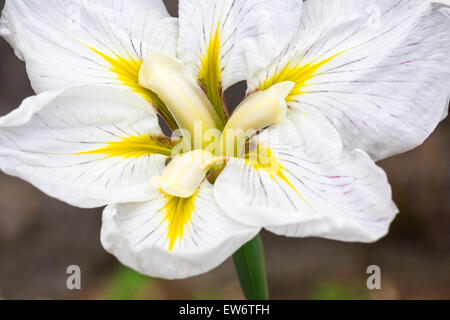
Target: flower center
<point>199,123</point>
<point>186,101</point>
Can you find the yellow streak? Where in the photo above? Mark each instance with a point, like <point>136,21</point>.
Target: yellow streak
<point>210,75</point>
<point>178,215</point>
<point>127,71</point>
<point>299,74</point>
<point>261,158</point>
<point>135,147</point>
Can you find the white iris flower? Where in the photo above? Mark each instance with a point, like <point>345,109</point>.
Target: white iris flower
<point>333,85</point>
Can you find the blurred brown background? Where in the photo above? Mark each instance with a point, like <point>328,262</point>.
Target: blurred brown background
<point>40,237</point>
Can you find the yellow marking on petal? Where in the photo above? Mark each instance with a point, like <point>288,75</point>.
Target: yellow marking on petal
<point>178,215</point>
<point>127,72</point>
<point>298,73</point>
<point>210,76</point>
<point>135,147</point>
<point>262,158</point>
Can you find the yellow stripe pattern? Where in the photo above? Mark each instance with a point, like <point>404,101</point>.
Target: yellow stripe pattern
<point>178,215</point>
<point>298,73</point>
<point>262,159</point>
<point>134,147</point>
<point>210,75</point>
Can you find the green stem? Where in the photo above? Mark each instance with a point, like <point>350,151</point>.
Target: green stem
<point>251,269</point>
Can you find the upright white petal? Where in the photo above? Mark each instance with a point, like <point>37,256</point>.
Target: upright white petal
<point>72,42</point>
<point>285,16</point>
<point>88,146</point>
<point>379,70</point>
<point>224,41</point>
<point>171,237</point>
<point>303,184</point>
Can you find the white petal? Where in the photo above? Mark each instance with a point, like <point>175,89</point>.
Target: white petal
<point>186,240</point>
<point>224,41</point>
<point>311,187</point>
<point>70,42</point>
<point>285,16</point>
<point>379,70</point>
<point>88,146</point>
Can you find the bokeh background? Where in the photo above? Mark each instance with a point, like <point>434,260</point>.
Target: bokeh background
<point>40,237</point>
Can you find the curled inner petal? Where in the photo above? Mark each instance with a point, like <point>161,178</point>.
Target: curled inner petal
<point>259,110</point>
<point>184,174</point>
<point>179,90</point>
